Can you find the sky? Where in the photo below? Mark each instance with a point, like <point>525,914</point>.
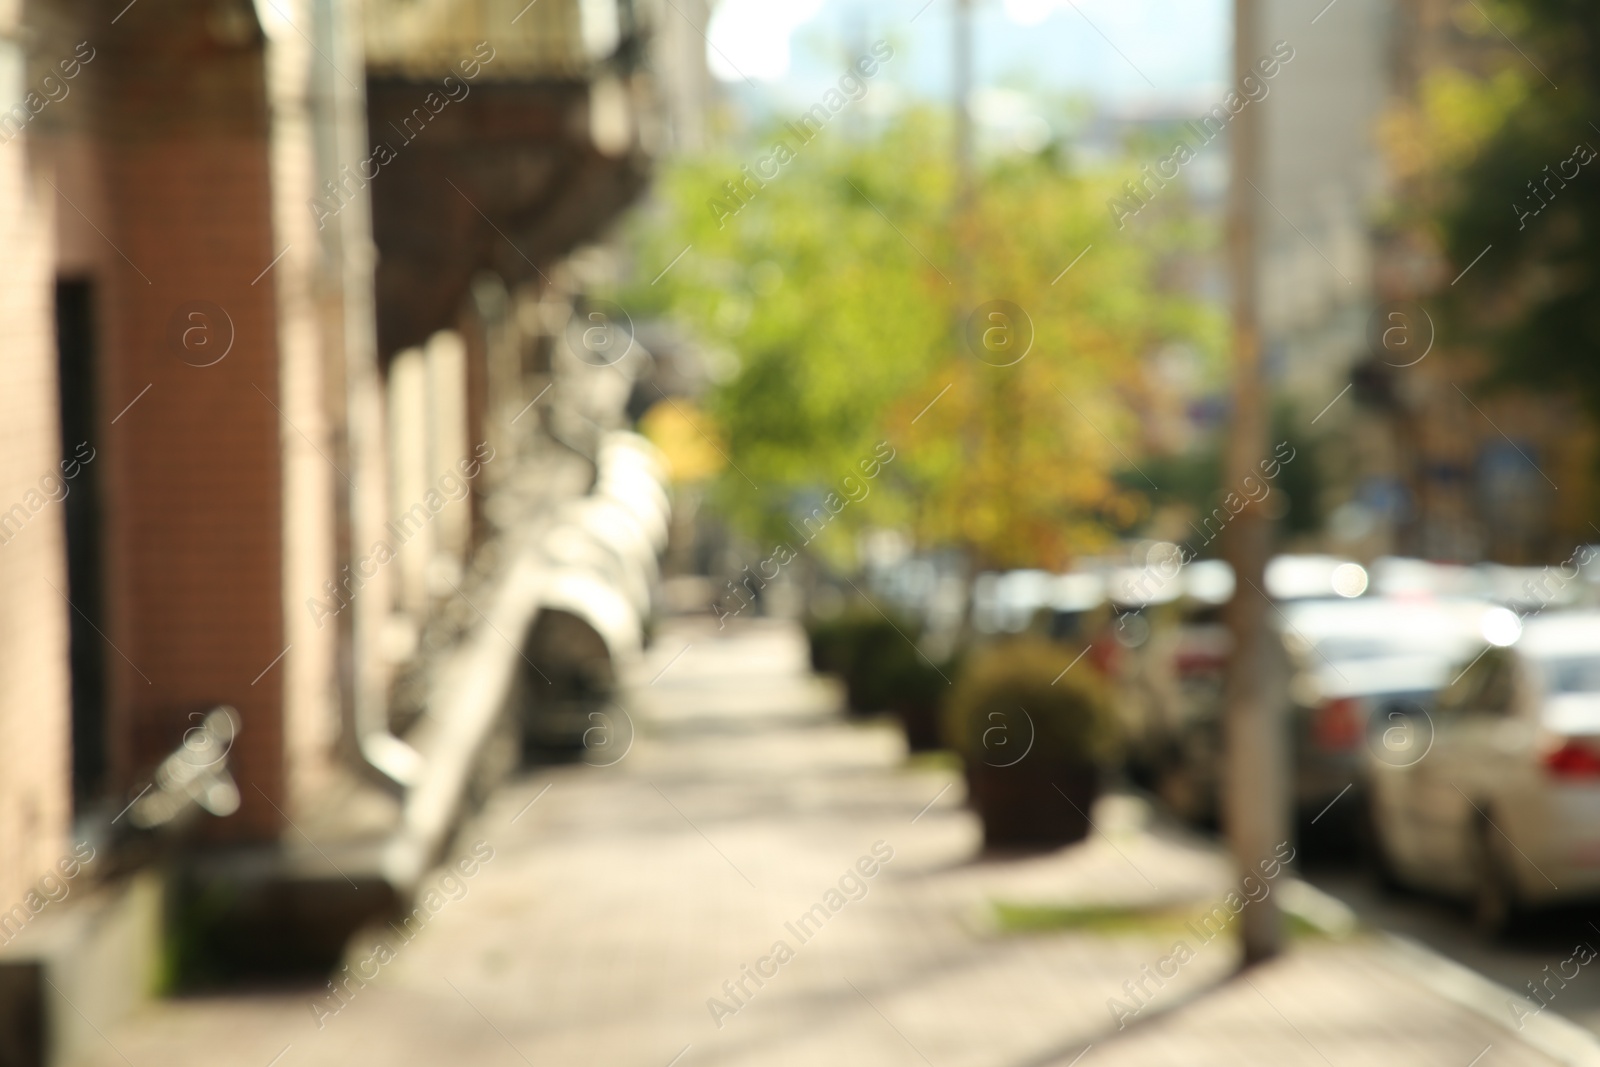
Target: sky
<point>1128,55</point>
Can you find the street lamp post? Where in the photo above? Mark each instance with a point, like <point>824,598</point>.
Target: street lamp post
<point>1252,804</point>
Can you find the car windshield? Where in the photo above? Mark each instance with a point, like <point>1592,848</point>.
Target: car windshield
<point>1571,674</point>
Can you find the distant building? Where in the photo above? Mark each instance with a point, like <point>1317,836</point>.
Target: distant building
<point>1322,181</point>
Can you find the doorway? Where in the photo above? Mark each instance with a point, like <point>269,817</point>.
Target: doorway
<point>78,379</point>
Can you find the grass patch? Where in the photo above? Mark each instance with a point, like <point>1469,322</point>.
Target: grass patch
<point>1093,918</point>
<point>938,760</point>
<point>1299,929</point>
<point>1120,919</point>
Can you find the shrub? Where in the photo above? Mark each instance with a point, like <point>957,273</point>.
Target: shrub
<point>871,653</point>
<point>918,690</point>
<point>1034,741</point>
<point>1073,722</point>
<point>832,641</point>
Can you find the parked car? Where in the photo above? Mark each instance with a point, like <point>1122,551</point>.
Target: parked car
<point>1498,800</point>
<point>1353,662</point>
<point>1187,759</point>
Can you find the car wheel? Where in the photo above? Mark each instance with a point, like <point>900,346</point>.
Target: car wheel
<point>1494,896</point>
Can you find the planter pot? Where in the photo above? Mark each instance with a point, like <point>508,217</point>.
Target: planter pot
<point>1023,804</point>
<point>864,691</point>
<point>920,721</point>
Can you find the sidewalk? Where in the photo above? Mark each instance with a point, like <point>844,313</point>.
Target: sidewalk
<point>619,900</point>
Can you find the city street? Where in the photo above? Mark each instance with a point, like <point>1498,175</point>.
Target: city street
<point>660,533</point>
<point>615,915</point>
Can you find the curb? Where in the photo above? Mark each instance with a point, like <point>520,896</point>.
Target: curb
<point>1554,1035</point>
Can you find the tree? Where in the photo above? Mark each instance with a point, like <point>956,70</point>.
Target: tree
<point>832,283</point>
<point>1513,169</point>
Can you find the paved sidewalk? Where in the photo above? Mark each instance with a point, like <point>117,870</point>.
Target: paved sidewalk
<point>619,900</point>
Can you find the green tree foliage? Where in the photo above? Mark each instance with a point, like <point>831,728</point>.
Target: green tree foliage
<point>1515,164</point>
<point>838,285</point>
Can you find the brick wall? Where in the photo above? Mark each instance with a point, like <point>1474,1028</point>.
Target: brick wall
<point>194,538</point>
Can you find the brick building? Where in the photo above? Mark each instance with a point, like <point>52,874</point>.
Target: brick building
<point>278,277</point>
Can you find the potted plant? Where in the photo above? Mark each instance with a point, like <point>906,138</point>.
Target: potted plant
<point>918,690</point>
<point>883,669</point>
<point>831,640</point>
<point>1035,738</point>
<point>867,651</point>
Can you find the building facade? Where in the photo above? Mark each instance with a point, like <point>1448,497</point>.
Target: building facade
<point>282,282</point>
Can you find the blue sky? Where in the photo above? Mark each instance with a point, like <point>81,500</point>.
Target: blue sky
<point>1128,55</point>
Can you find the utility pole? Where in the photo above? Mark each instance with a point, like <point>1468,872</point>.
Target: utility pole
<point>961,96</point>
<point>1253,801</point>
<point>961,113</point>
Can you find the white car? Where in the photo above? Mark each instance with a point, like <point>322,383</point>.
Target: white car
<point>1353,662</point>
<point>1495,795</point>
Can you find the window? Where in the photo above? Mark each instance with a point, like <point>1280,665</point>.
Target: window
<point>1571,674</point>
